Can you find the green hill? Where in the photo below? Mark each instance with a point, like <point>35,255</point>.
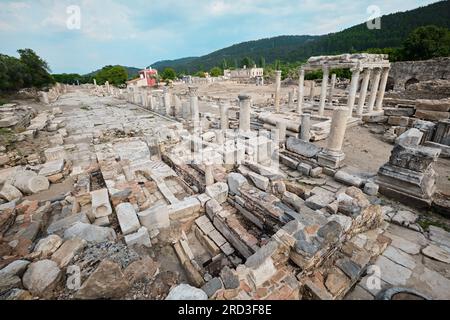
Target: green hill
<point>394,29</point>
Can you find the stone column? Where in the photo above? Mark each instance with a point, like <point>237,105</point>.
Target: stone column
<point>382,90</point>
<point>353,89</point>
<point>331,93</point>
<point>301,90</point>
<point>311,92</point>
<point>244,113</point>
<point>193,92</point>
<point>209,177</point>
<point>374,89</point>
<point>95,82</point>
<point>305,129</point>
<point>277,90</point>
<point>281,127</point>
<point>363,92</point>
<point>291,99</point>
<point>44,97</point>
<point>144,99</point>
<point>332,156</point>
<point>177,103</point>
<point>224,122</point>
<point>107,87</point>
<point>167,102</point>
<point>323,90</point>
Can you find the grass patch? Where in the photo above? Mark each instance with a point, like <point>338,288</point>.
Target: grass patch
<point>425,223</point>
<point>85,108</point>
<point>7,136</point>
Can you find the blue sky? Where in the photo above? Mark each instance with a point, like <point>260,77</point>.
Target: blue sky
<point>140,32</point>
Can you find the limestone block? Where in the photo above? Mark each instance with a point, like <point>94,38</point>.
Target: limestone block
<point>411,137</point>
<point>127,217</point>
<point>218,191</point>
<point>139,238</point>
<point>348,178</point>
<point>432,115</point>
<point>235,181</point>
<point>183,209</point>
<point>155,218</point>
<point>64,255</point>
<point>186,292</point>
<point>301,147</point>
<point>259,181</point>
<point>10,193</point>
<point>101,207</point>
<point>30,183</point>
<point>42,277</point>
<point>51,168</point>
<point>90,233</point>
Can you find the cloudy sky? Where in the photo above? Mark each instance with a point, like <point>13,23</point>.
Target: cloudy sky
<point>140,32</point>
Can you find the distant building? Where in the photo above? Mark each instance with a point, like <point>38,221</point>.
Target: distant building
<point>244,73</point>
<point>147,78</point>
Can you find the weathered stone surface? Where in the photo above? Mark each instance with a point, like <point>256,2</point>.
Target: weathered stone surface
<point>16,268</point>
<point>405,218</point>
<point>432,115</point>
<point>127,217</point>
<point>100,203</point>
<point>212,286</point>
<point>64,255</point>
<point>371,188</point>
<point>330,232</point>
<point>9,282</point>
<point>259,181</point>
<point>229,278</point>
<point>411,137</point>
<point>439,235</point>
<point>400,257</point>
<point>139,238</point>
<point>348,178</point>
<point>392,272</point>
<point>186,292</point>
<point>301,147</point>
<point>442,105</point>
<point>30,183</point>
<point>141,270</point>
<point>155,218</point>
<point>10,193</point>
<point>52,167</point>
<point>336,283</point>
<point>47,246</point>
<point>90,233</point>
<point>61,225</point>
<point>218,191</point>
<point>437,253</point>
<point>106,282</point>
<point>187,208</point>
<point>413,158</point>
<point>401,112</point>
<point>212,208</point>
<point>42,277</point>
<point>293,200</point>
<point>235,181</point>
<point>18,294</point>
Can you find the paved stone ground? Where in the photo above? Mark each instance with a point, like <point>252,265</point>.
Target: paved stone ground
<point>413,260</point>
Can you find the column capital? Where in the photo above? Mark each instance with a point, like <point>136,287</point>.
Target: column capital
<point>193,91</point>
<point>244,97</point>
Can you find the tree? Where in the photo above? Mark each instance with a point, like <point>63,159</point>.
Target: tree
<point>115,75</point>
<point>224,65</point>
<point>169,74</point>
<point>247,62</point>
<point>262,62</point>
<point>426,42</point>
<point>200,74</point>
<point>216,72</point>
<point>37,69</point>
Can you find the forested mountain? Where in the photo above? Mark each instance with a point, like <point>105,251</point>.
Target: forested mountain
<point>394,29</point>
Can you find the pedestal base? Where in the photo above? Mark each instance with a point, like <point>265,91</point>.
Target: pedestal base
<point>331,159</point>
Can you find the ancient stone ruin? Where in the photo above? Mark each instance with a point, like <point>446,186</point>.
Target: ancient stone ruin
<point>227,190</point>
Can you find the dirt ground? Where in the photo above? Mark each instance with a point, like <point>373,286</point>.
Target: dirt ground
<point>366,152</point>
